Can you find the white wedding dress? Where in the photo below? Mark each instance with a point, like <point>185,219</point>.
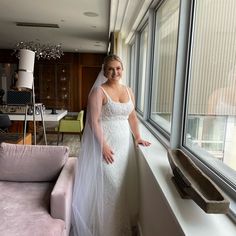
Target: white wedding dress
<point>120,177</point>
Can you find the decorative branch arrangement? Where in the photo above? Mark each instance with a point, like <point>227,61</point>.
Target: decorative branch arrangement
<point>44,51</point>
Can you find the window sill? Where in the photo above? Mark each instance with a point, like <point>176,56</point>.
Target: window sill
<point>189,216</point>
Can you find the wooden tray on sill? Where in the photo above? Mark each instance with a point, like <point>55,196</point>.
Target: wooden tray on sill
<point>192,183</point>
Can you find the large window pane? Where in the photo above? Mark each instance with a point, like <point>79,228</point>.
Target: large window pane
<point>142,68</point>
<point>167,17</point>
<point>210,129</point>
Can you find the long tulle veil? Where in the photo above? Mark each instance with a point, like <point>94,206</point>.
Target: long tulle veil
<point>87,203</point>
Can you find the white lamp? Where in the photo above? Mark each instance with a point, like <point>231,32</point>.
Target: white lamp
<point>26,69</point>
<point>26,80</point>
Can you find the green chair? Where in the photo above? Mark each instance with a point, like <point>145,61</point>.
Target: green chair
<point>71,124</point>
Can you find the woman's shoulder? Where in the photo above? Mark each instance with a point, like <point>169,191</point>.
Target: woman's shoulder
<point>103,89</point>
<point>126,87</point>
<point>129,89</point>
<point>97,92</point>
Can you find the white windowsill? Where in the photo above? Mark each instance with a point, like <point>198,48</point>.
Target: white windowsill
<point>190,217</point>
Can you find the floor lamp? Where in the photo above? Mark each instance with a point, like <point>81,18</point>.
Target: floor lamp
<point>26,80</point>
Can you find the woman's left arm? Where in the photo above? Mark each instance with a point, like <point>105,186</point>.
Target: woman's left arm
<point>133,123</point>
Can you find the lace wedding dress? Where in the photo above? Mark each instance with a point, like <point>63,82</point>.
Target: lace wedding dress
<point>119,177</point>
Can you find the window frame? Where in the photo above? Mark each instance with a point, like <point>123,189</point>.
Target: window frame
<point>141,30</point>
<point>209,168</point>
<point>165,135</point>
<point>175,139</point>
<point>132,66</point>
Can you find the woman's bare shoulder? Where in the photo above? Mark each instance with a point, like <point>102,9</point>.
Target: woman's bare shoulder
<point>97,92</point>
<point>126,87</point>
<point>130,90</point>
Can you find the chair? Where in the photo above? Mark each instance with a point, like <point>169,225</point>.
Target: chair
<point>36,184</point>
<point>71,124</point>
<point>5,123</point>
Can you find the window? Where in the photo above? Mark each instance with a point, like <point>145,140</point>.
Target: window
<point>167,17</point>
<point>204,107</point>
<point>210,127</point>
<point>142,68</point>
<point>132,67</point>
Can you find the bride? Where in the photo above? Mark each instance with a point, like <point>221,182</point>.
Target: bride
<point>106,175</point>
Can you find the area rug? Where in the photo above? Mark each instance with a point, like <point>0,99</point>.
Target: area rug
<point>70,140</point>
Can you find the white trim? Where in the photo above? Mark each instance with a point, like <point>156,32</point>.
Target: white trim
<point>137,19</point>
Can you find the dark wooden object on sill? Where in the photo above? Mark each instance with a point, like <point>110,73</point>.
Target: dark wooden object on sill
<point>192,183</point>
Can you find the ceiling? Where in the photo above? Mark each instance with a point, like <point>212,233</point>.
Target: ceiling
<point>77,32</point>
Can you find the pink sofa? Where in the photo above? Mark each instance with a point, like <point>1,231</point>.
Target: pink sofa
<point>36,185</point>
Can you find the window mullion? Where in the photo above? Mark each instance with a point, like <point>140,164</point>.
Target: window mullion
<point>181,62</point>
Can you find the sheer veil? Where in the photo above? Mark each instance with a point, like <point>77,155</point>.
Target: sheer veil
<point>87,203</point>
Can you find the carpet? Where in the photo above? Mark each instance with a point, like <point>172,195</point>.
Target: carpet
<point>70,140</point>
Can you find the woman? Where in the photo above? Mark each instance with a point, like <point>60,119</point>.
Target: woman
<point>107,170</point>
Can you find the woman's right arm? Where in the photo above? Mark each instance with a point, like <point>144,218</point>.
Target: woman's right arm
<point>95,103</point>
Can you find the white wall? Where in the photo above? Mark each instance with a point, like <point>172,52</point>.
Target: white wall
<point>155,215</point>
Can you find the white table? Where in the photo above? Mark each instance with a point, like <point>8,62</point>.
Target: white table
<point>47,116</point>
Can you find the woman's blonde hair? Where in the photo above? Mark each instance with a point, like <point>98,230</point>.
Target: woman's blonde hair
<point>109,58</point>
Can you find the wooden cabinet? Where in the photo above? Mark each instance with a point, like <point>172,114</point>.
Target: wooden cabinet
<point>53,85</point>
<point>62,83</point>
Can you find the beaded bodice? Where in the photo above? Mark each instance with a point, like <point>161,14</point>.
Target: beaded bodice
<point>116,110</point>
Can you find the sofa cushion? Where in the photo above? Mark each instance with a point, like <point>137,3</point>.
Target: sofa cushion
<point>25,210</point>
<point>31,162</point>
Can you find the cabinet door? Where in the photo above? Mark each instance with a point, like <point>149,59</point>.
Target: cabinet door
<point>63,86</point>
<point>89,75</point>
<point>47,83</point>
<point>53,85</point>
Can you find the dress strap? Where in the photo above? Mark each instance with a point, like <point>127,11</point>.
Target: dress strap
<point>108,97</point>
<point>128,92</point>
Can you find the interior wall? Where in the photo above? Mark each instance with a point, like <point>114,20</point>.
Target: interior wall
<point>84,68</point>
<point>156,218</point>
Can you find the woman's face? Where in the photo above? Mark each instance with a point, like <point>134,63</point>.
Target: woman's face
<point>114,70</point>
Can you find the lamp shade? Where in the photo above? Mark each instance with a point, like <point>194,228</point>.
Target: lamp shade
<point>26,69</point>
<point>26,62</point>
<point>25,80</point>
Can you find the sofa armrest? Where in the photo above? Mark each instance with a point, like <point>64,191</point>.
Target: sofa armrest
<point>61,196</point>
